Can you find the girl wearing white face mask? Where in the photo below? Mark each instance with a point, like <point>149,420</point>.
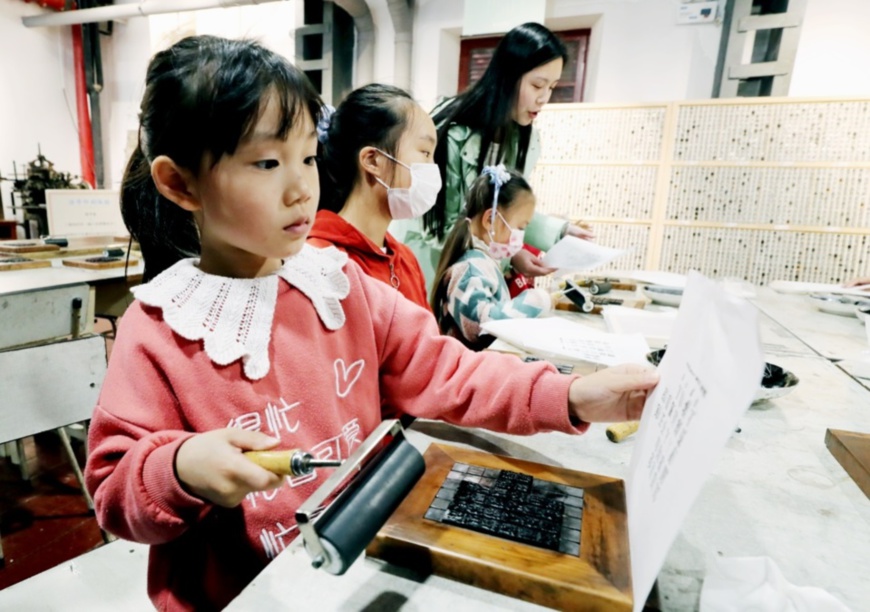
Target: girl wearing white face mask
<point>470,288</point>
<point>376,166</point>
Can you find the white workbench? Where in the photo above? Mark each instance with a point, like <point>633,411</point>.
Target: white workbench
<point>111,578</point>
<point>59,275</point>
<point>830,335</point>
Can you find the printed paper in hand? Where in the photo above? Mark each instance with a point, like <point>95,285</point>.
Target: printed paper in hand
<point>558,337</point>
<point>652,277</point>
<point>708,378</point>
<point>572,253</point>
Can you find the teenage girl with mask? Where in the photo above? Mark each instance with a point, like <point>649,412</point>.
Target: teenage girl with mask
<point>376,166</point>
<point>261,341</point>
<point>470,288</point>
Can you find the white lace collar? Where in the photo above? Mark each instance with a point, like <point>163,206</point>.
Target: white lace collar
<point>233,316</point>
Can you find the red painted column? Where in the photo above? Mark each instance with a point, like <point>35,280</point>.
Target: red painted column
<point>86,141</point>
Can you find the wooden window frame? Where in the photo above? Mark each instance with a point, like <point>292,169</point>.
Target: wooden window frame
<point>468,45</point>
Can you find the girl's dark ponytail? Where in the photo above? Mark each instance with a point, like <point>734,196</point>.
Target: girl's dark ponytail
<point>457,243</point>
<point>166,233</point>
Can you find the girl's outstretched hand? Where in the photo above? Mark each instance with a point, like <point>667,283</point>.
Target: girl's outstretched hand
<point>613,394</point>
<point>211,465</point>
<point>529,264</point>
<point>580,231</point>
<point>857,282</point>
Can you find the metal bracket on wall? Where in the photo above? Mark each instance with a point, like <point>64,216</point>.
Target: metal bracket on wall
<point>762,38</point>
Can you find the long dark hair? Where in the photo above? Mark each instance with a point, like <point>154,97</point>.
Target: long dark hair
<point>203,96</point>
<point>459,240</point>
<point>487,106</point>
<point>374,115</point>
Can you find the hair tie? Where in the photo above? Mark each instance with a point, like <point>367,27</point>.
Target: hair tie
<point>323,123</point>
<point>498,176</point>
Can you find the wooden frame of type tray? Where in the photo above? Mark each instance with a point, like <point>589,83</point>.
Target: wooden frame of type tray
<point>26,246</point>
<point>100,263</point>
<point>599,579</point>
<point>852,450</point>
<point>16,262</point>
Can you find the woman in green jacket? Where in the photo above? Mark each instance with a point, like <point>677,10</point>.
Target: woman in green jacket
<point>488,124</point>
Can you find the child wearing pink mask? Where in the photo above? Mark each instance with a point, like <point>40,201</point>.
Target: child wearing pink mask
<point>470,287</point>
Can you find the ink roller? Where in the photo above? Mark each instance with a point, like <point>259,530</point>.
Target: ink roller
<point>595,286</point>
<point>572,292</point>
<point>370,485</point>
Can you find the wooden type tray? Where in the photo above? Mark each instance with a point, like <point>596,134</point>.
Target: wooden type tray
<point>852,450</point>
<point>26,246</point>
<point>117,262</point>
<point>598,580</point>
<point>14,262</point>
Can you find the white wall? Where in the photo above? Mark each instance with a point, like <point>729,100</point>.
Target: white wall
<point>134,42</point>
<point>833,56</point>
<point>37,106</point>
<point>638,53</point>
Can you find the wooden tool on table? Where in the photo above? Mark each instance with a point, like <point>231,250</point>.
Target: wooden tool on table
<point>852,450</point>
<point>618,432</point>
<point>111,258</point>
<point>15,262</point>
<point>600,286</point>
<point>31,246</point>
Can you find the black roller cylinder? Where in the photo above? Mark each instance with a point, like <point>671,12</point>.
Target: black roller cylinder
<point>349,525</point>
<point>600,287</point>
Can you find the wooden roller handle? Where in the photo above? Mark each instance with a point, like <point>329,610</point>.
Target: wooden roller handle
<point>278,462</point>
<point>620,431</point>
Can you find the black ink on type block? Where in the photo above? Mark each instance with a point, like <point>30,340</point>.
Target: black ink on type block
<point>512,506</point>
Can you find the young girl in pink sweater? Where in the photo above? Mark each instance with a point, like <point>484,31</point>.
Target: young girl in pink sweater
<point>244,338</point>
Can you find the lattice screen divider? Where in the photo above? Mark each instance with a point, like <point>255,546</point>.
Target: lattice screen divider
<point>759,189</point>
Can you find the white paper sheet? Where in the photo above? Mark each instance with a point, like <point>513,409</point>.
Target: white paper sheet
<point>781,286</point>
<point>656,327</point>
<point>709,376</point>
<point>651,277</point>
<point>572,253</point>
<point>560,338</point>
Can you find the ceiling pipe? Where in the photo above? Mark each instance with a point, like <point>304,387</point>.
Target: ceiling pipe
<point>125,11</point>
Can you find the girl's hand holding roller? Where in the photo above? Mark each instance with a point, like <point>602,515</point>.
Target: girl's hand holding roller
<point>613,394</point>
<point>211,465</point>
